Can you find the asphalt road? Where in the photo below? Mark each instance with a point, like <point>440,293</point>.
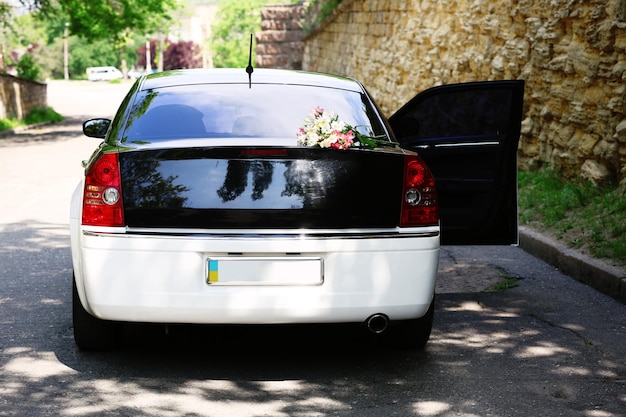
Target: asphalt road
<point>548,347</point>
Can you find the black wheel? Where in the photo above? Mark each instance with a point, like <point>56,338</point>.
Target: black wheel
<point>91,333</point>
<point>412,334</point>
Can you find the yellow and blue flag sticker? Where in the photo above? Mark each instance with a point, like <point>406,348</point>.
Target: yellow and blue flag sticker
<point>213,271</point>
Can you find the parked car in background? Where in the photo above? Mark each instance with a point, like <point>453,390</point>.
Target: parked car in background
<point>103,74</point>
<point>221,197</point>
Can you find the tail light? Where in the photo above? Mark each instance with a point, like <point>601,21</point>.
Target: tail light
<point>420,206</point>
<point>102,197</point>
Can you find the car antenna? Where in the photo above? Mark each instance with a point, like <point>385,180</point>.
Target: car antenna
<point>249,68</point>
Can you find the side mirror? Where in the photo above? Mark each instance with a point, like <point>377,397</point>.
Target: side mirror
<point>96,128</point>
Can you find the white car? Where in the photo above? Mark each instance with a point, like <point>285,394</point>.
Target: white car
<point>103,74</point>
<point>220,197</point>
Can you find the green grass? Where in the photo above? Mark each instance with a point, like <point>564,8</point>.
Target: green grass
<point>508,281</point>
<point>40,115</point>
<point>10,123</point>
<point>583,216</point>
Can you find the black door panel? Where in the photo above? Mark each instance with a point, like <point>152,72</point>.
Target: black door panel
<point>468,134</point>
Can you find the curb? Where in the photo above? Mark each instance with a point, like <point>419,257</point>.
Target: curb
<point>590,271</point>
<point>20,129</point>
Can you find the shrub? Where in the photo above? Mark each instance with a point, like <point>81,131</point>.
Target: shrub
<point>27,67</point>
<point>46,114</point>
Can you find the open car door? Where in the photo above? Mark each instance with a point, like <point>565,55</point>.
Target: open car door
<point>468,135</point>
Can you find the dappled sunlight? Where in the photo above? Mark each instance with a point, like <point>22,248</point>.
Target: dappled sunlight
<point>215,398</point>
<point>16,351</point>
<point>10,389</point>
<point>474,306</point>
<point>471,339</point>
<point>599,413</point>
<point>608,373</point>
<point>173,403</point>
<point>280,386</point>
<point>571,370</point>
<point>431,408</point>
<point>610,369</point>
<point>37,365</point>
<point>52,301</point>
<point>464,306</point>
<point>197,387</point>
<point>316,403</point>
<point>573,327</point>
<point>32,237</point>
<point>543,348</point>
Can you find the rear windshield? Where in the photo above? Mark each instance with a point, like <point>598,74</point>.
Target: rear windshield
<point>235,110</point>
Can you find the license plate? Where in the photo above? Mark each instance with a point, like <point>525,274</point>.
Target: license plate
<point>265,271</point>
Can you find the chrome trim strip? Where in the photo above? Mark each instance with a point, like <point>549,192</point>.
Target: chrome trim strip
<point>456,144</point>
<point>275,236</point>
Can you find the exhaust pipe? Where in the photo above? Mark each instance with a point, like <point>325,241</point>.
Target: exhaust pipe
<point>377,323</point>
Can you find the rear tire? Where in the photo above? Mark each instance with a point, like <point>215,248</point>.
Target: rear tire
<point>91,333</point>
<point>412,334</point>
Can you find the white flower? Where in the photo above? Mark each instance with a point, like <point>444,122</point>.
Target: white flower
<point>324,129</point>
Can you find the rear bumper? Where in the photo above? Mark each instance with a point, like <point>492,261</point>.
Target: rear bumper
<point>164,278</point>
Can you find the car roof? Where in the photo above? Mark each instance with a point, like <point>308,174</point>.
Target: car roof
<point>239,76</point>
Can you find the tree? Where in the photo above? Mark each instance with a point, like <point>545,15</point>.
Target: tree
<point>177,55</point>
<point>95,54</point>
<point>141,54</point>
<point>6,12</point>
<point>100,19</point>
<point>27,67</point>
<point>181,55</point>
<point>24,48</point>
<point>236,20</point>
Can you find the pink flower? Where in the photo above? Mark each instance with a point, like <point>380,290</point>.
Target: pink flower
<point>343,140</point>
<point>318,111</point>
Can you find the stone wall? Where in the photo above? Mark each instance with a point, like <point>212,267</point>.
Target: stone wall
<point>19,96</point>
<point>279,44</point>
<point>571,53</point>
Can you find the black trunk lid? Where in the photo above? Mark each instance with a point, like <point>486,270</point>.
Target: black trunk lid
<point>262,188</point>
